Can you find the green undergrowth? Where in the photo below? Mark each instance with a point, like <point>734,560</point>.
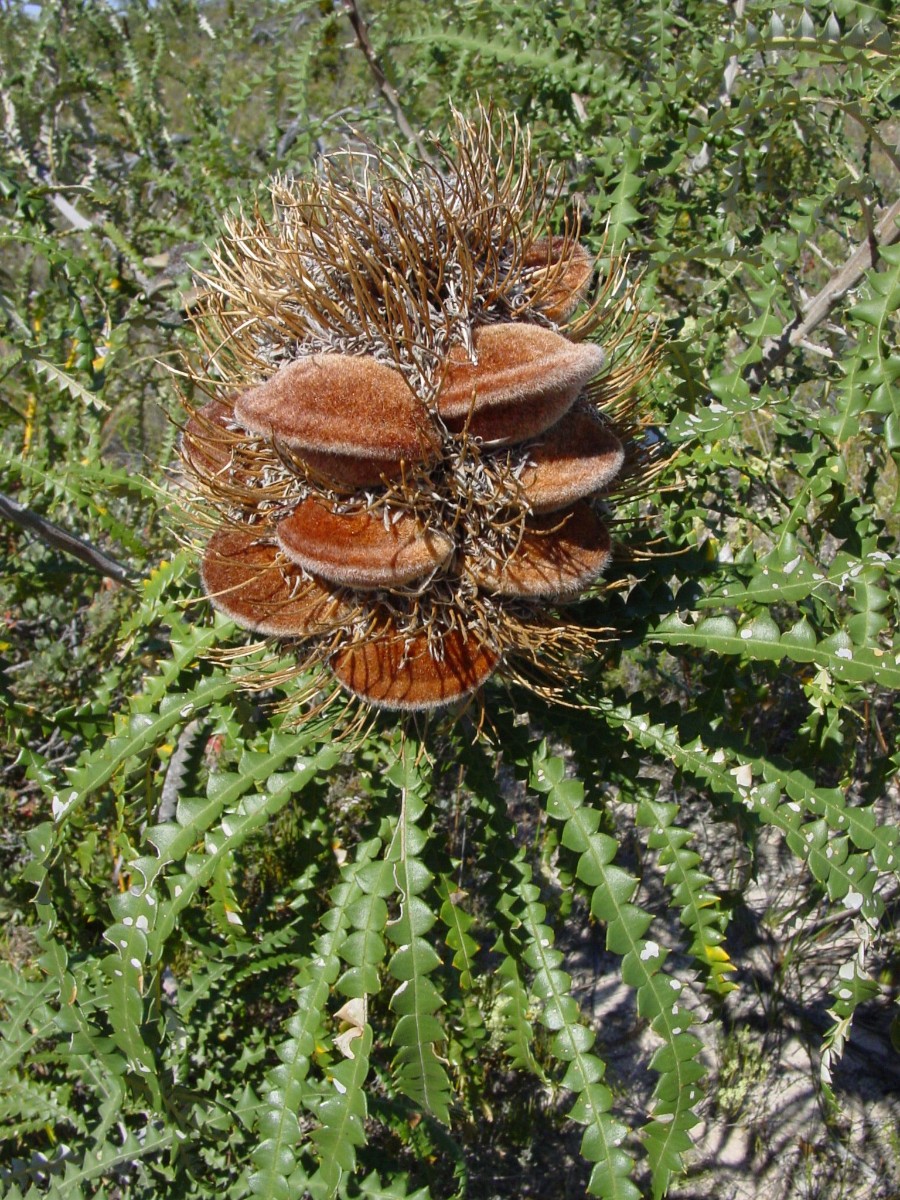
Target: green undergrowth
<point>247,953</point>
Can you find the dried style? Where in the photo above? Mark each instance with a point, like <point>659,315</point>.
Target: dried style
<point>409,448</point>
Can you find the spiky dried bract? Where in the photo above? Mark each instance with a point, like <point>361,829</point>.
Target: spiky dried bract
<point>410,446</point>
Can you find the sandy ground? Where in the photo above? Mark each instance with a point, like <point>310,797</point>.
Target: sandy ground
<point>767,1131</point>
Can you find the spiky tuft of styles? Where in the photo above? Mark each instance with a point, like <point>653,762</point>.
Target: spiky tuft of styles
<point>410,448</point>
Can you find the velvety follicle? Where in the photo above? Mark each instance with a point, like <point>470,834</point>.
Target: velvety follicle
<point>559,555</point>
<point>249,581</point>
<point>578,456</point>
<point>559,270</point>
<point>207,440</point>
<point>361,549</point>
<point>402,672</point>
<point>338,407</point>
<point>522,380</point>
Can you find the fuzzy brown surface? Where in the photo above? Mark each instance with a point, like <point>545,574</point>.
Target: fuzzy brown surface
<point>401,673</point>
<point>250,582</point>
<point>359,549</point>
<point>576,457</point>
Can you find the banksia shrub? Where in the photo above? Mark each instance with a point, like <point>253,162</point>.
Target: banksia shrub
<point>410,448</point>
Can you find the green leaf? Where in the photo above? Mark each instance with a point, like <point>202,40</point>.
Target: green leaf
<point>761,638</point>
<point>659,997</point>
<point>419,1073</point>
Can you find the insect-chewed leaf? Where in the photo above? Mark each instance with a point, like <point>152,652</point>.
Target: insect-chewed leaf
<point>560,270</point>
<point>400,672</point>
<point>578,456</point>
<point>558,556</point>
<point>346,414</point>
<point>525,378</point>
<point>360,549</point>
<point>252,583</point>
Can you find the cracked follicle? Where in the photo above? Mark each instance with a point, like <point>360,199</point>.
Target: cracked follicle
<point>409,445</point>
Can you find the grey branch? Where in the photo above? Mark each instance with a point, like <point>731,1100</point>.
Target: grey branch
<point>61,539</point>
<point>351,8</point>
<point>885,233</point>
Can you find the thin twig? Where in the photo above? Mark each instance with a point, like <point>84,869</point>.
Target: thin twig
<point>61,539</point>
<point>732,67</point>
<point>885,233</point>
<point>351,8</point>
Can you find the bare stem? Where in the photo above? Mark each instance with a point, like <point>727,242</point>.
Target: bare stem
<point>61,539</point>
<point>885,233</point>
<point>352,9</point>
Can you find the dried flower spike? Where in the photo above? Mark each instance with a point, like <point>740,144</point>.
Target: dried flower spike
<point>409,445</point>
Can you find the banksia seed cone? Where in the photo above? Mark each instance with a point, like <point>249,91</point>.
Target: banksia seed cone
<point>409,446</point>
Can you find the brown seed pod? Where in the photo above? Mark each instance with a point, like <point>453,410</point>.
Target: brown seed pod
<point>404,673</point>
<point>560,274</point>
<point>361,549</point>
<point>559,555</point>
<point>208,441</point>
<point>250,581</point>
<point>344,408</point>
<point>410,441</point>
<point>521,380</point>
<point>577,457</point>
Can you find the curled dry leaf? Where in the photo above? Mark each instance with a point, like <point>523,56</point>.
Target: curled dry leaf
<point>354,1015</point>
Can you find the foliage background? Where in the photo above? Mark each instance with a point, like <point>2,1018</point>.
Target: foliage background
<point>191,884</point>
